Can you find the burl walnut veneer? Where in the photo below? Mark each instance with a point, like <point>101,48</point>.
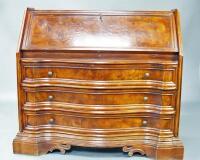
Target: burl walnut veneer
<point>100,79</point>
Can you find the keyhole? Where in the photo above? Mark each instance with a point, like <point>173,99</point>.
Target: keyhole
<point>101,18</point>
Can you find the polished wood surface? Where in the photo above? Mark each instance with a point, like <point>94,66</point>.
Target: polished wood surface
<point>131,31</point>
<point>100,79</point>
<point>101,97</point>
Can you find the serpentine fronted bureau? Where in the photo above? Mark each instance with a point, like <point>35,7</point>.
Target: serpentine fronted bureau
<point>100,79</point>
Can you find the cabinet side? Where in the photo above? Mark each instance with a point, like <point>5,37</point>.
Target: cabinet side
<point>19,69</point>
<point>180,68</point>
<point>178,31</point>
<point>22,30</point>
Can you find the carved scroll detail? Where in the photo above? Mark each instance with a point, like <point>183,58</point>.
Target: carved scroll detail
<point>61,147</point>
<point>131,150</point>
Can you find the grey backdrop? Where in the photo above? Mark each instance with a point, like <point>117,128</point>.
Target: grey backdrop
<point>11,13</point>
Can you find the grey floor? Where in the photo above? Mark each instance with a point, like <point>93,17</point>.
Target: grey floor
<point>189,133</point>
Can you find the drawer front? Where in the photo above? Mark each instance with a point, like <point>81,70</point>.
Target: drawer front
<point>96,97</point>
<point>107,74</point>
<point>59,119</point>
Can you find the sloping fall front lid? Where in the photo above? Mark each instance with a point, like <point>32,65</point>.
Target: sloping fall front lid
<point>90,30</point>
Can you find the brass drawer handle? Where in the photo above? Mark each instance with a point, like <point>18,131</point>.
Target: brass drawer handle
<point>146,75</point>
<point>146,98</point>
<point>50,98</point>
<point>51,121</point>
<point>50,74</point>
<point>144,123</point>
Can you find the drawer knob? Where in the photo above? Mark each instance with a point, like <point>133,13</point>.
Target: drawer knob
<point>146,98</point>
<point>51,121</point>
<point>50,74</point>
<point>147,74</point>
<point>144,123</point>
<point>50,98</point>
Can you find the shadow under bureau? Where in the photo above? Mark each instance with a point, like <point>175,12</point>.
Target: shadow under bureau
<point>100,79</point>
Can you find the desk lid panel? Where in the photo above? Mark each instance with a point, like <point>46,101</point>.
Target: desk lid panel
<point>89,30</point>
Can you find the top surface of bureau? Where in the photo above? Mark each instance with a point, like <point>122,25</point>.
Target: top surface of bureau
<point>99,30</point>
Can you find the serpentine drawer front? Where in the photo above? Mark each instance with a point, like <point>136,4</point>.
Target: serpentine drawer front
<point>100,79</point>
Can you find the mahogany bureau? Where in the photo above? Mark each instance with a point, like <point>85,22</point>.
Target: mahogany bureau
<point>100,79</point>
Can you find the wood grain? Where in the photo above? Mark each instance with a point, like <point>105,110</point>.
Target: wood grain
<point>100,31</point>
<point>101,79</point>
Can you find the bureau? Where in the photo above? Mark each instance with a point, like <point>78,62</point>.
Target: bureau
<point>100,79</point>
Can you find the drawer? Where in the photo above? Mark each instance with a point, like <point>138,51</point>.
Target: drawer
<point>102,74</point>
<point>60,119</point>
<point>103,97</point>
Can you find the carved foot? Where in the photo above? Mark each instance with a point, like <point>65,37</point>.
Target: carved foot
<point>162,151</point>
<point>61,147</point>
<point>33,147</point>
<point>131,150</point>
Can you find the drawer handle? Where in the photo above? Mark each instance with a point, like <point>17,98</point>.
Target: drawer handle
<point>50,74</point>
<point>50,98</point>
<point>146,75</point>
<point>144,123</point>
<point>146,98</point>
<point>51,121</point>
